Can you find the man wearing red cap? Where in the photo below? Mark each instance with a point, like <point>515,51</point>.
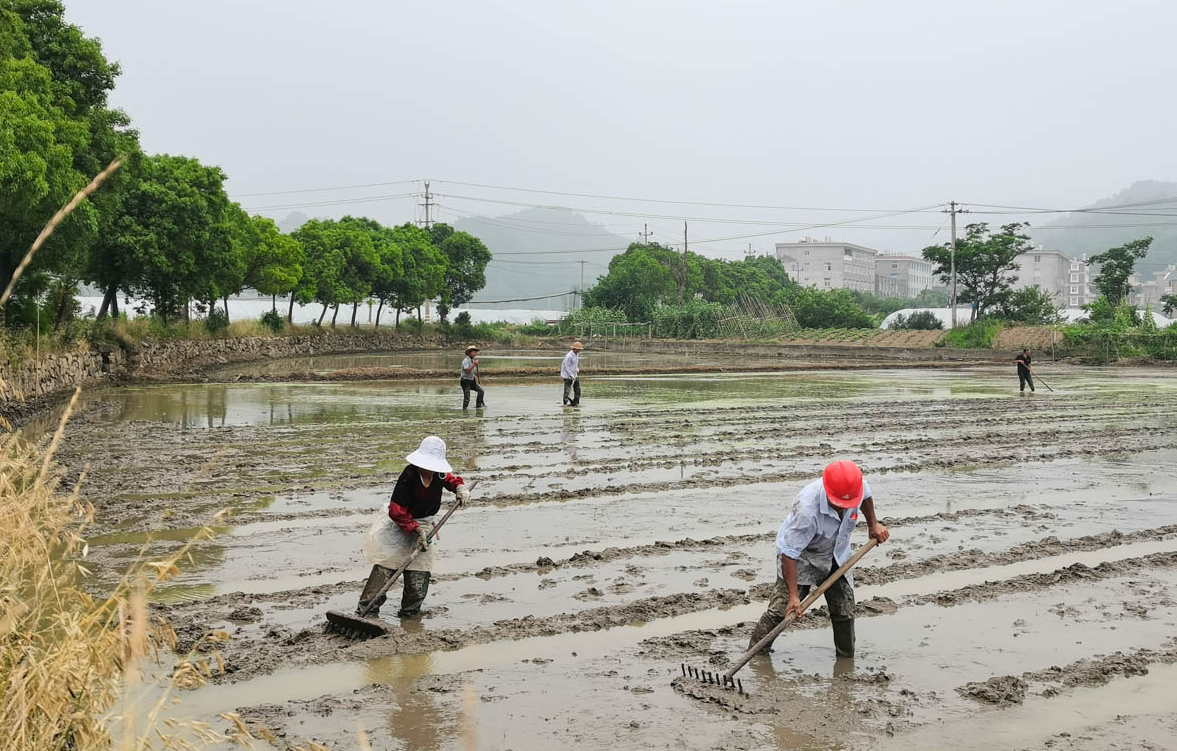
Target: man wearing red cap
<point>813,542</point>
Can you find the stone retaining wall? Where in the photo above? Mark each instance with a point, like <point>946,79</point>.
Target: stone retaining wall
<point>58,373</point>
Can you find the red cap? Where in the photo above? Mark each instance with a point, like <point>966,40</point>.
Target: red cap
<point>843,483</point>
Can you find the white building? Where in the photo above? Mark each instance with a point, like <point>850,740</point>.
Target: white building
<point>829,265</point>
<point>1148,292</point>
<point>902,276</point>
<point>1066,279</point>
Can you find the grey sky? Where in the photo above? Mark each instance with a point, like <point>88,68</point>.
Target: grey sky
<point>816,104</point>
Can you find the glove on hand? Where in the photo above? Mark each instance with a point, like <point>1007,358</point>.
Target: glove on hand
<point>423,537</point>
<point>463,494</point>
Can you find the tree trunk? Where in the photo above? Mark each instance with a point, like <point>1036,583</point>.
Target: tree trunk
<point>226,307</point>
<point>274,302</point>
<point>354,307</point>
<point>114,302</point>
<point>322,315</point>
<point>398,319</point>
<point>111,291</point>
<point>334,315</point>
<point>290,310</point>
<point>378,313</point>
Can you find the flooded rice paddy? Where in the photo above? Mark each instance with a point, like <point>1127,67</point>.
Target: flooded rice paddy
<point>1027,598</point>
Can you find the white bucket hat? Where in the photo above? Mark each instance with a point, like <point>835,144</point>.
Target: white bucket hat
<point>430,455</point>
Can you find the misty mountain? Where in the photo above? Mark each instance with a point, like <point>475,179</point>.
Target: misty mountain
<point>1103,231</point>
<point>556,241</point>
<point>293,221</point>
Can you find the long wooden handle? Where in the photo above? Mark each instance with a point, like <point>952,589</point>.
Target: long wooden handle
<point>771,635</point>
<point>417,548</point>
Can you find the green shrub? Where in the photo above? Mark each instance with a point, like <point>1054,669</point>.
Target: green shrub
<point>273,321</point>
<point>978,335</point>
<point>216,321</point>
<point>921,320</point>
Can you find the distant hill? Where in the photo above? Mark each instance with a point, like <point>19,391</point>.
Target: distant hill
<point>293,221</point>
<point>1110,230</point>
<point>561,238</point>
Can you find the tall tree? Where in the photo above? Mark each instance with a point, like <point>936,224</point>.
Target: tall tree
<point>341,260</point>
<point>985,263</point>
<point>1115,266</point>
<point>274,264</point>
<point>56,132</point>
<point>465,273</point>
<point>172,231</point>
<point>424,270</point>
<point>389,266</point>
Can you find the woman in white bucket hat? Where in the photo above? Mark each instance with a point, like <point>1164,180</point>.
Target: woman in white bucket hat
<point>415,500</point>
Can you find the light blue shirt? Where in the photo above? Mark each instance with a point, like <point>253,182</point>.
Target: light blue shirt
<point>814,536</point>
<point>469,370</point>
<point>571,365</point>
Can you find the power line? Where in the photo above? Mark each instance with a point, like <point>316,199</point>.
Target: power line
<point>340,202</point>
<point>319,190</point>
<point>521,299</point>
<point>656,200</point>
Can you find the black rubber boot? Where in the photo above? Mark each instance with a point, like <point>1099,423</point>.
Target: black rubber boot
<point>376,581</point>
<point>416,587</point>
<point>844,637</point>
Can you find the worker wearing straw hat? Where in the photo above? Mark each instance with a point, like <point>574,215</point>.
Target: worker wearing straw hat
<point>470,380</point>
<point>570,372</point>
<point>415,501</point>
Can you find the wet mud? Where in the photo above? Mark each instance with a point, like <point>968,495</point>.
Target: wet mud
<point>608,545</point>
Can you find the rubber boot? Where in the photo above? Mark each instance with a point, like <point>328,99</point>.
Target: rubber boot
<point>416,587</point>
<point>844,637</point>
<point>767,623</point>
<point>376,581</point>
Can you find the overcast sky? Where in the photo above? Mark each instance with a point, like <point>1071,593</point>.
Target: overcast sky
<point>871,105</point>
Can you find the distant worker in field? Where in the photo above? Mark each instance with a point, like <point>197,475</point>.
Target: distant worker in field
<point>1024,372</point>
<point>813,542</point>
<point>570,372</point>
<point>470,380</point>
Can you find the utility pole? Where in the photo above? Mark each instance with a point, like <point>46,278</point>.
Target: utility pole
<point>684,260</point>
<point>952,210</point>
<point>428,207</point>
<point>580,297</point>
<point>645,234</point>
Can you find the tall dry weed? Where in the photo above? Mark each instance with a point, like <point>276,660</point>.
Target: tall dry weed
<point>68,659</point>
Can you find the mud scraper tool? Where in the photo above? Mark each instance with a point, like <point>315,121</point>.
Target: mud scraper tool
<point>359,625</point>
<point>728,680</point>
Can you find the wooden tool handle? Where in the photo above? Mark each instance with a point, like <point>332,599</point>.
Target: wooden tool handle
<point>771,635</point>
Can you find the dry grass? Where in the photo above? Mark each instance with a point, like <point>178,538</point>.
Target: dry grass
<point>68,659</point>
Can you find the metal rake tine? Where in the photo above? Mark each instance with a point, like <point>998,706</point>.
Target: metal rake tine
<point>684,668</point>
<point>740,683</point>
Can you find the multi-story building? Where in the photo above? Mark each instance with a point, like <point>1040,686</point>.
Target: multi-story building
<point>1148,292</point>
<point>902,276</point>
<point>1054,272</point>
<point>829,265</point>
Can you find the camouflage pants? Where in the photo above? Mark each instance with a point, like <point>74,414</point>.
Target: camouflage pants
<point>839,601</point>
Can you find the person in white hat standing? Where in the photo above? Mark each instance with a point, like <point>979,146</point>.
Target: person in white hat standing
<point>415,501</point>
<point>570,372</point>
<point>470,380</point>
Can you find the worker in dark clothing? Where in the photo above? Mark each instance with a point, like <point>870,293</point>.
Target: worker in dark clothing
<point>416,498</point>
<point>1024,372</point>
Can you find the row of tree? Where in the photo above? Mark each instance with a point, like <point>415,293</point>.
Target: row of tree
<point>647,276</point>
<point>986,268</point>
<point>161,228</point>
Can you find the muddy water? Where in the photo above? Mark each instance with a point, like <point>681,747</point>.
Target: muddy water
<point>651,512</point>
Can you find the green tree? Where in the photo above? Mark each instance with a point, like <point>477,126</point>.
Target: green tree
<point>1115,266</point>
<point>274,265</point>
<point>985,263</point>
<point>1030,305</point>
<point>835,308</point>
<point>341,261</point>
<point>465,273</point>
<point>389,263</point>
<point>171,232</point>
<point>636,284</point>
<point>932,298</point>
<point>1169,304</point>
<point>424,270</point>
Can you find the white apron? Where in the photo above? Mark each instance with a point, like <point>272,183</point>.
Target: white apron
<point>386,545</point>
